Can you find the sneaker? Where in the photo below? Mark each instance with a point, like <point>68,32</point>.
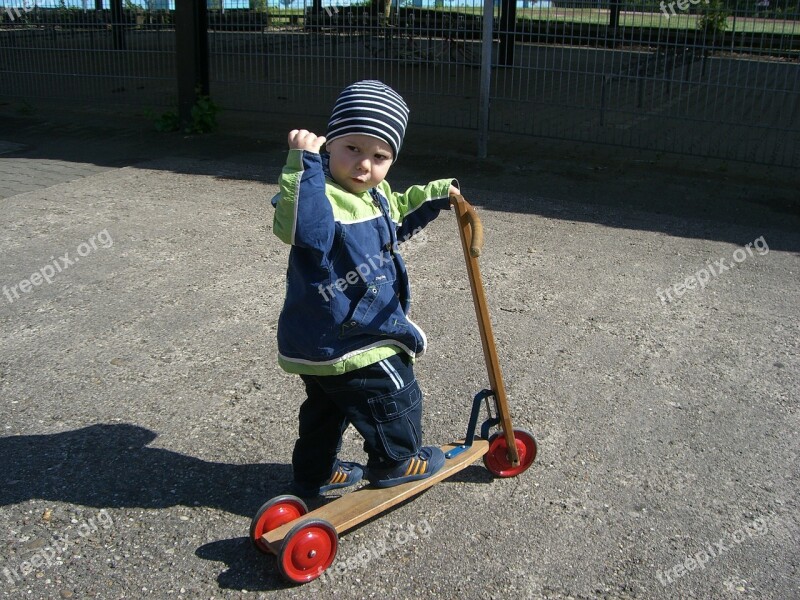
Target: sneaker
<point>344,475</point>
<point>427,461</point>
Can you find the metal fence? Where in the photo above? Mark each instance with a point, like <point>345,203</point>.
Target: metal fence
<point>51,51</point>
<point>716,78</point>
<point>704,84</point>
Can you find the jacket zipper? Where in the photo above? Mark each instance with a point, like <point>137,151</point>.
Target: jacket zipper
<point>376,200</point>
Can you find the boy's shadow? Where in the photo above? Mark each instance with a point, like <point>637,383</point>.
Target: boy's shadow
<point>110,466</point>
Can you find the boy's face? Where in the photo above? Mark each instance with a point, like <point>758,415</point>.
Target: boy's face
<point>359,162</point>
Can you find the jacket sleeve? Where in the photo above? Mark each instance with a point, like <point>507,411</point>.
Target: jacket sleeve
<point>419,205</point>
<point>303,214</point>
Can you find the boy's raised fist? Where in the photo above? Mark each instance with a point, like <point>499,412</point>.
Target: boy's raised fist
<point>302,139</point>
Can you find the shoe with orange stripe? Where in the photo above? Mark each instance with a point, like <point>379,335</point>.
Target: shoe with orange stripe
<point>344,475</point>
<point>427,461</point>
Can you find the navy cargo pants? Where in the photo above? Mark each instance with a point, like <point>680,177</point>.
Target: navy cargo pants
<point>382,401</point>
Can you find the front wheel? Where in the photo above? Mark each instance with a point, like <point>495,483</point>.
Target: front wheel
<point>307,550</point>
<point>496,459</point>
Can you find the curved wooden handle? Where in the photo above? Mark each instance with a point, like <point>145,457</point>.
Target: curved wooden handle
<point>475,225</point>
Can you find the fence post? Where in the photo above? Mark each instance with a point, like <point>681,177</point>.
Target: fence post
<point>487,36</point>
<point>613,14</point>
<point>508,32</point>
<point>117,25</point>
<point>191,54</point>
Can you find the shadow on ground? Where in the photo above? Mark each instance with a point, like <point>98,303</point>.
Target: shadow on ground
<point>111,466</point>
<point>680,196</point>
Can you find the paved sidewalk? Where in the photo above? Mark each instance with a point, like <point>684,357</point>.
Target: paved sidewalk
<point>145,419</point>
<point>18,178</point>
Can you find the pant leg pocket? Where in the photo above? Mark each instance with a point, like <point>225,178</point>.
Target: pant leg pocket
<point>398,420</point>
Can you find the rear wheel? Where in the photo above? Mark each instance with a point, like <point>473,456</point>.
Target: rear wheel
<point>497,460</point>
<point>274,513</point>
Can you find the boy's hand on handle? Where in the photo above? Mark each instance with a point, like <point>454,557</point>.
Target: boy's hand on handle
<point>302,139</point>
<point>466,213</point>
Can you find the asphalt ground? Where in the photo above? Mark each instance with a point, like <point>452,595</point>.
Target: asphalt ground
<point>646,315</point>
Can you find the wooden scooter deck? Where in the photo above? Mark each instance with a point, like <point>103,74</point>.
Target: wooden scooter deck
<point>356,507</point>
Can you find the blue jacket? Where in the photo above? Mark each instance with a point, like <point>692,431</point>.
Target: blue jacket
<point>347,291</point>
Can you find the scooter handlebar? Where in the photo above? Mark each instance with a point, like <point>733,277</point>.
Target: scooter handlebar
<point>475,225</point>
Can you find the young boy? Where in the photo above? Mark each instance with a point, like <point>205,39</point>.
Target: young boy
<point>344,327</point>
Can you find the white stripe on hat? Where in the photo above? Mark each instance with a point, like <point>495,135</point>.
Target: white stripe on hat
<point>356,124</point>
<point>346,104</point>
<point>379,116</point>
<point>362,107</point>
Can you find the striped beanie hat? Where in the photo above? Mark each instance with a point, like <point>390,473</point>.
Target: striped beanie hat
<point>370,108</point>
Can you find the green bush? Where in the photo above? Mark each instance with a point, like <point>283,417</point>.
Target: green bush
<point>713,17</point>
<point>204,117</point>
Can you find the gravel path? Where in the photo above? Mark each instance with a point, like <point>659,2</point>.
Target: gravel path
<point>145,419</point>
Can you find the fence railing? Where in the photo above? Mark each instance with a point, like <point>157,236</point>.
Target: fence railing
<point>717,78</point>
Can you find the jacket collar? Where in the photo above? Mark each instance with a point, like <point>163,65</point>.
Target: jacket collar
<point>326,164</point>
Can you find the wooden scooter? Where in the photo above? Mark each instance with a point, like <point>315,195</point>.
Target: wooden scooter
<point>305,543</point>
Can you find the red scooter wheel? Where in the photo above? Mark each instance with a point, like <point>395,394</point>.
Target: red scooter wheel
<point>497,461</point>
<point>307,550</point>
<point>274,513</point>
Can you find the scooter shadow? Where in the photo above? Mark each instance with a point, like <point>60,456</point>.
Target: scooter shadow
<point>248,569</point>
